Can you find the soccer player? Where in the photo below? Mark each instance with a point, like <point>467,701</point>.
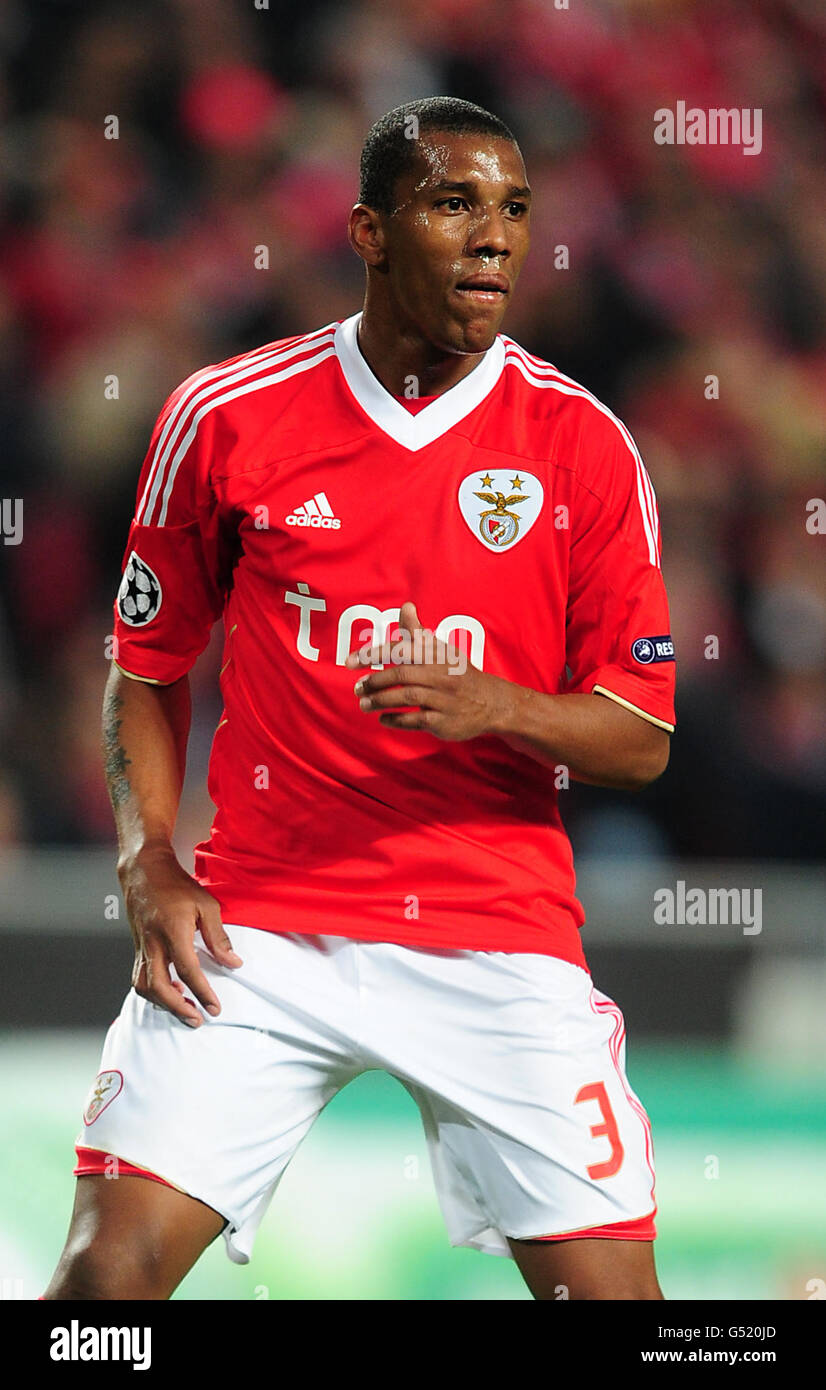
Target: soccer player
<point>438,564</point>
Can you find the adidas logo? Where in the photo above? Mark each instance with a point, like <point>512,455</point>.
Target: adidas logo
<point>316,512</point>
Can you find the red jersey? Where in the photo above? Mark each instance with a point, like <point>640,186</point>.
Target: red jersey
<point>288,491</point>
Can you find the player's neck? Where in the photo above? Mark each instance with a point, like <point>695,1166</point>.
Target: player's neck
<point>394,355</point>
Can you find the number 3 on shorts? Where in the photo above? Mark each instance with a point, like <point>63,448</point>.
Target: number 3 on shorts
<point>596,1091</point>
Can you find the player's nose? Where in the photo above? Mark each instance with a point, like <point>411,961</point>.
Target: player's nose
<point>489,235</point>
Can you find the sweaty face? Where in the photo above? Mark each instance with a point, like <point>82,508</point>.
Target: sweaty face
<point>457,238</point>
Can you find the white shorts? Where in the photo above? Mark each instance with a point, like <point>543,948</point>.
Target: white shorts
<point>516,1062</point>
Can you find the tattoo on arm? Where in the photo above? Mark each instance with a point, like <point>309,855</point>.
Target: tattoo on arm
<point>115,759</point>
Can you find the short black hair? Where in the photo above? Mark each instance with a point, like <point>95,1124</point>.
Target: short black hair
<point>389,149</point>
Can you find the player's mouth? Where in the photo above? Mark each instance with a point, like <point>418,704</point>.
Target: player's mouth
<point>484,288</point>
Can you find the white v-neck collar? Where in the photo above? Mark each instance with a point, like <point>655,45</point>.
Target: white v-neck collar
<point>413,431</point>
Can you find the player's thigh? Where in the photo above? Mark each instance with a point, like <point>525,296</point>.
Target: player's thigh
<point>134,1238</point>
<point>219,1111</point>
<point>588,1269</point>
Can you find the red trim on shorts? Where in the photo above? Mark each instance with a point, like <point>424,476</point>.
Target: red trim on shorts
<point>93,1162</point>
<point>642,1228</point>
<point>606,1005</point>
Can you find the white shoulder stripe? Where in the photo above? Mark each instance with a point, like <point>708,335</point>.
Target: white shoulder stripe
<point>205,383</point>
<point>197,392</point>
<point>143,513</point>
<point>292,369</point>
<point>534,361</point>
<point>549,379</point>
<point>543,369</point>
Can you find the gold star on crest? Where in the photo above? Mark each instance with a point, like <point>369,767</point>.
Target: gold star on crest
<point>516,482</point>
<point>487,481</point>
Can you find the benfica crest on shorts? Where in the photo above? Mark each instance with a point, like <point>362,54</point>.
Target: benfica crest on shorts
<point>500,508</point>
<point>105,1087</point>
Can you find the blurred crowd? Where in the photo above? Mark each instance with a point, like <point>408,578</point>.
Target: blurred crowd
<point>240,125</point>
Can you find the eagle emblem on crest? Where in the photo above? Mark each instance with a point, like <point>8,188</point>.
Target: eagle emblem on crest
<point>496,524</point>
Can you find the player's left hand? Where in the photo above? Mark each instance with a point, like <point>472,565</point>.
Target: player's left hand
<point>451,702</point>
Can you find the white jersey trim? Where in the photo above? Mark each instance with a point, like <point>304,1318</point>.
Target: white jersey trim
<point>180,429</point>
<point>414,431</point>
<point>547,377</point>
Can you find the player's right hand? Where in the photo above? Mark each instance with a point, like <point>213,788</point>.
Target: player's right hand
<point>165,907</point>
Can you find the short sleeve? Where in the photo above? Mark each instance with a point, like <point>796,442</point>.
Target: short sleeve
<point>174,566</point>
<point>618,640</point>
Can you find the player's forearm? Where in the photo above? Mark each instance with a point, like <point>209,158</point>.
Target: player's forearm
<point>595,738</point>
<point>145,730</point>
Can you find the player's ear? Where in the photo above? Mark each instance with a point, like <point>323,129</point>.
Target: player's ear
<point>366,235</point>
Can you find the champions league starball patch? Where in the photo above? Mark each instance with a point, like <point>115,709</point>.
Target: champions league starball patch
<point>139,595</point>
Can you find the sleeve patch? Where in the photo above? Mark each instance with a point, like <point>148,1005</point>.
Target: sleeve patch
<point>139,596</point>
<point>649,649</point>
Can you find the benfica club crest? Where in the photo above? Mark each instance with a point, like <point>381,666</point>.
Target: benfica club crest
<point>500,508</point>
<point>105,1087</point>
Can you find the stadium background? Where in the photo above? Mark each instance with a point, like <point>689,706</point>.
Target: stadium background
<point>240,127</point>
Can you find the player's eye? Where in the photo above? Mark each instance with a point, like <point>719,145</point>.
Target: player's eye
<point>453,204</point>
<point>517,209</point>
